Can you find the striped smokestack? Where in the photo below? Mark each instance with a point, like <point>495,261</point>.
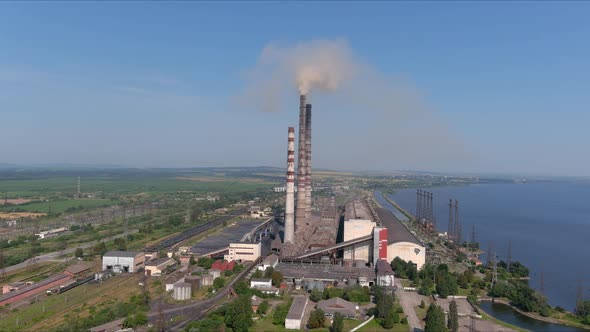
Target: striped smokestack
<point>290,200</point>
<point>301,178</point>
<point>307,161</point>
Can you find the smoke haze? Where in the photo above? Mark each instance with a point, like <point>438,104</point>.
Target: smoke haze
<point>383,122</point>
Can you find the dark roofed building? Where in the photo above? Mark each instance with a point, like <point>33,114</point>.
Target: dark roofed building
<point>400,241</point>
<point>336,304</point>
<point>78,270</point>
<point>396,231</point>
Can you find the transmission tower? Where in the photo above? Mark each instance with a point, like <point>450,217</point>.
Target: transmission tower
<point>473,239</point>
<point>418,204</point>
<point>126,223</point>
<point>509,259</point>
<point>489,254</point>
<point>450,231</point>
<point>495,269</point>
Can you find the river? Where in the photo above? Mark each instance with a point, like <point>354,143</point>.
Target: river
<point>548,224</point>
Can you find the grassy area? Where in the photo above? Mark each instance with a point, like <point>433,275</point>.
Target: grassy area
<point>421,312</point>
<point>52,310</point>
<point>66,205</point>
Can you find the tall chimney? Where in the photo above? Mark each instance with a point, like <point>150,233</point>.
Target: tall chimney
<point>301,178</point>
<point>307,162</point>
<point>290,200</point>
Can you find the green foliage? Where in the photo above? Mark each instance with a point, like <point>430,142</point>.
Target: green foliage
<point>268,272</point>
<point>384,301</point>
<point>228,273</point>
<point>404,321</point>
<point>333,292</point>
<point>205,262</point>
<point>280,313</point>
<point>357,294</point>
<point>315,295</point>
<point>520,295</point>
<point>338,323</point>
<point>582,309</point>
<point>277,278</point>
<point>218,283</point>
<point>99,249</point>
<point>426,287</point>
<point>435,319</point>
<point>192,260</point>
<point>238,314</point>
<point>453,321</point>
<point>262,308</point>
<point>212,323</point>
<point>120,244</point>
<point>79,252</point>
<point>257,274</point>
<point>316,319</point>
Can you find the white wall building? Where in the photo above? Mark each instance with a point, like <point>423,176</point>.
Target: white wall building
<point>123,261</point>
<point>270,261</point>
<point>261,283</point>
<point>156,267</point>
<point>247,252</point>
<point>296,312</point>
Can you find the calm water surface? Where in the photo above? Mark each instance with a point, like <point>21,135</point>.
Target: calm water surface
<point>548,224</point>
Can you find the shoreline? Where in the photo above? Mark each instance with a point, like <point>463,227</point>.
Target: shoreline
<point>534,315</point>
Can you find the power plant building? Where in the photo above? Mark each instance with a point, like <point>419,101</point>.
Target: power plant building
<point>123,261</point>
<point>247,252</point>
<point>357,223</point>
<point>400,242</point>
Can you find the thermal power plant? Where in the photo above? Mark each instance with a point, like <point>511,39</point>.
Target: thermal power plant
<point>290,199</point>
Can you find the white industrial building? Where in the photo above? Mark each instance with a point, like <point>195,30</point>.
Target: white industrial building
<point>384,274</point>
<point>357,223</point>
<point>261,283</point>
<point>247,252</point>
<point>270,261</point>
<point>296,312</point>
<point>123,261</point>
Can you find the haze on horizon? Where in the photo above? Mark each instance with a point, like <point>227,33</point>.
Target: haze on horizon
<point>458,87</point>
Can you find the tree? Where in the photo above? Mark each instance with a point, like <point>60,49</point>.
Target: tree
<point>387,321</point>
<point>338,323</point>
<point>79,252</point>
<point>315,295</point>
<point>277,278</point>
<point>205,262</point>
<point>453,323</point>
<point>422,304</point>
<point>316,319</point>
<point>280,313</point>
<point>99,249</point>
<point>257,274</point>
<point>241,288</point>
<point>435,319</point>
<point>583,309</point>
<point>218,283</point>
<point>238,315</point>
<point>192,260</point>
<point>268,272</point>
<point>120,244</point>
<point>262,308</point>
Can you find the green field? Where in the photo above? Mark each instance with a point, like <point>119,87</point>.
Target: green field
<point>64,205</point>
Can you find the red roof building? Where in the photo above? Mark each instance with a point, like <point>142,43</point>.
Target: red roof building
<point>223,265</point>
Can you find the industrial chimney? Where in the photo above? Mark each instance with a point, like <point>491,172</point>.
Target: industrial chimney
<point>308,162</point>
<point>290,200</point>
<point>301,177</point>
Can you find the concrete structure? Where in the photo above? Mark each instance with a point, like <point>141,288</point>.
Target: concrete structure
<point>260,282</point>
<point>384,273</point>
<point>215,273</point>
<point>35,289</point>
<point>300,221</point>
<point>123,261</point>
<point>296,312</point>
<point>270,261</point>
<point>182,291</point>
<point>307,162</point>
<point>379,244</point>
<point>194,281</point>
<point>171,280</point>
<point>290,198</point>
<point>207,279</point>
<point>358,223</point>
<point>77,271</point>
<point>336,304</point>
<point>247,252</point>
<point>157,267</point>
<point>401,242</point>
<point>269,290</point>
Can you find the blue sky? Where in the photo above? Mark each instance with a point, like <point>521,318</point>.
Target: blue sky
<point>153,84</point>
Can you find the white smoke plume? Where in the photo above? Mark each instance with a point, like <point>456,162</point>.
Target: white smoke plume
<point>383,119</point>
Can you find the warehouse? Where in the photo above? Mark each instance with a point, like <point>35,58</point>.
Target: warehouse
<point>296,312</point>
<point>158,266</point>
<point>400,242</point>
<point>357,223</point>
<point>336,304</point>
<point>35,289</point>
<point>123,261</point>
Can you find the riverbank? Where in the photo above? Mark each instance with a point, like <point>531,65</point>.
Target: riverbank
<point>397,206</point>
<point>536,316</point>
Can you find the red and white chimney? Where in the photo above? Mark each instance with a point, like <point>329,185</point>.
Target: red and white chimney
<point>290,199</point>
<point>300,219</point>
<point>307,162</point>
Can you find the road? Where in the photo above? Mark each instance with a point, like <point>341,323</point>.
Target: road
<point>53,256</point>
<point>408,301</point>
